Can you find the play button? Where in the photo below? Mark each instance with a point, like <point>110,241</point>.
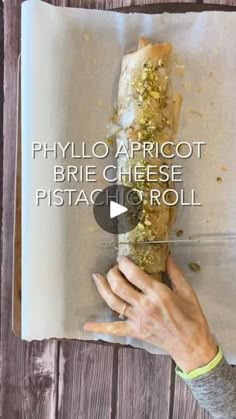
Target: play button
<point>118,209</point>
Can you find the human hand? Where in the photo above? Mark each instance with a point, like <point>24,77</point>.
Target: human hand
<point>171,319</point>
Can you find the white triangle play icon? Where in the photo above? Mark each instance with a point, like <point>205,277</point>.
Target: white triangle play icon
<point>116,209</point>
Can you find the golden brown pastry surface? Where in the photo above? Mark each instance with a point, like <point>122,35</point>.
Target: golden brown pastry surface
<point>148,111</point>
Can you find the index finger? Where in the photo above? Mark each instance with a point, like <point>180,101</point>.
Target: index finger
<point>134,274</point>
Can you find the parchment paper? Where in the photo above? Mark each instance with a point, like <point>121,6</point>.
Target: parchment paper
<point>70,67</point>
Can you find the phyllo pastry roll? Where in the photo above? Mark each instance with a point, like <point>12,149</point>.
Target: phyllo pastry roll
<point>147,112</point>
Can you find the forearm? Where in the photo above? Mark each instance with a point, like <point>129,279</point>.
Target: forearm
<point>216,390</point>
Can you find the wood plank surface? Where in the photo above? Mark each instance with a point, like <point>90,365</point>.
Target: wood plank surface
<point>148,6</point>
<point>116,4</point>
<point>1,121</point>
<point>221,2</point>
<point>86,378</point>
<point>144,387</point>
<point>1,158</point>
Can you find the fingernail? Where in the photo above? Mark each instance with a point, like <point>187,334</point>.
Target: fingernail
<point>95,277</point>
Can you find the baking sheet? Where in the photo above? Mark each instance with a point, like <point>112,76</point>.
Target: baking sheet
<point>70,67</point>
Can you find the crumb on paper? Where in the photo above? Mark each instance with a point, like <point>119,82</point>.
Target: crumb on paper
<point>110,141</point>
<point>179,233</point>
<point>114,118</point>
<point>187,85</point>
<point>179,70</point>
<point>99,102</point>
<point>195,112</point>
<point>224,168</point>
<point>219,179</point>
<point>178,66</point>
<point>92,228</point>
<point>87,36</point>
<point>210,74</point>
<point>195,267</point>
<point>200,89</point>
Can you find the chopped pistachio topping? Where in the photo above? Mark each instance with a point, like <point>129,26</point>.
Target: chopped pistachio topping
<point>194,267</point>
<point>151,93</point>
<point>151,86</point>
<point>142,257</point>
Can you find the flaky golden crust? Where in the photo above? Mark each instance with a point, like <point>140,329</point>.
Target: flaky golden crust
<point>145,102</point>
<point>143,42</point>
<point>135,60</point>
<point>150,257</point>
<point>148,51</point>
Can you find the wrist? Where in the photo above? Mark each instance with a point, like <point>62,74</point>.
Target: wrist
<point>196,355</point>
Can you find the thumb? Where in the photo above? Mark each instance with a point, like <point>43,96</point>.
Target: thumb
<point>178,281</point>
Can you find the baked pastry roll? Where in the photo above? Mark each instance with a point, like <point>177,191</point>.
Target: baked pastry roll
<point>147,111</point>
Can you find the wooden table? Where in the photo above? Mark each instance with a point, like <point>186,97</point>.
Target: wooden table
<point>71,379</point>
